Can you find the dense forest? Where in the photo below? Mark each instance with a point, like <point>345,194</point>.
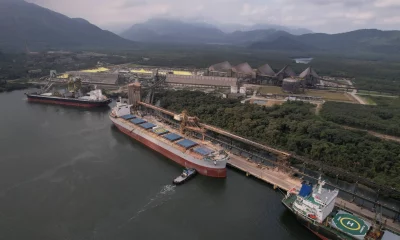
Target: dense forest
<point>374,72</point>
<point>383,118</point>
<point>294,127</point>
<point>370,71</point>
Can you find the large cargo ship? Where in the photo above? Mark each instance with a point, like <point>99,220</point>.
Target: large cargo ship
<point>207,158</point>
<point>92,99</point>
<point>72,97</point>
<point>314,207</point>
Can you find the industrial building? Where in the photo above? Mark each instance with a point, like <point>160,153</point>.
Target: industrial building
<point>266,75</point>
<point>265,71</point>
<point>244,71</point>
<point>310,77</point>
<point>286,72</point>
<point>201,81</point>
<point>142,73</point>
<point>292,85</point>
<point>223,69</point>
<point>101,78</point>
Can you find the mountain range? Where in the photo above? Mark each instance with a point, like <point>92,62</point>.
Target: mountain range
<point>175,31</point>
<point>229,28</point>
<point>26,24</point>
<point>367,40</point>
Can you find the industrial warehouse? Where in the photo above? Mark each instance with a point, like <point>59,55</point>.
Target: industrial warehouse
<point>230,81</point>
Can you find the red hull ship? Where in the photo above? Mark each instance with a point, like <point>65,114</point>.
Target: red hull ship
<point>206,158</point>
<point>172,150</point>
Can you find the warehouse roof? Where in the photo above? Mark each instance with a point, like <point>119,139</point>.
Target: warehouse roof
<point>201,80</point>
<point>99,78</point>
<point>243,68</point>
<point>287,71</point>
<point>221,67</point>
<point>266,70</point>
<point>308,72</point>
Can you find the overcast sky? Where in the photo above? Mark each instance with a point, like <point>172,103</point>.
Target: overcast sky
<point>329,16</point>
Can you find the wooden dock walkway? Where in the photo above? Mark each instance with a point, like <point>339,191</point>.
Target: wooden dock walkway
<point>285,182</point>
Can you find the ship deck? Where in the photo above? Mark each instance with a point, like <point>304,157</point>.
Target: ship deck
<point>288,202</point>
<point>345,225</point>
<point>168,135</point>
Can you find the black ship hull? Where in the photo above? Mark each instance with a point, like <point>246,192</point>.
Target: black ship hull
<point>320,230</point>
<point>68,101</point>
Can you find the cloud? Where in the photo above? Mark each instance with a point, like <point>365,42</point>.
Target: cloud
<point>392,20</point>
<point>133,3</point>
<point>318,15</point>
<point>387,3</point>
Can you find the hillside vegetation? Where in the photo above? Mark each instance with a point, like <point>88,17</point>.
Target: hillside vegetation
<point>23,23</point>
<point>383,118</point>
<point>295,128</point>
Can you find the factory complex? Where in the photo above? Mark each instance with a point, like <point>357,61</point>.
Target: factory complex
<point>232,81</point>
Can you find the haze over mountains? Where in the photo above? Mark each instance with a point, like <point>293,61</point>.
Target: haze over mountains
<point>23,23</point>
<point>175,31</point>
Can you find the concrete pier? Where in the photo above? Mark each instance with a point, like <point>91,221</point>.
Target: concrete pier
<point>283,181</point>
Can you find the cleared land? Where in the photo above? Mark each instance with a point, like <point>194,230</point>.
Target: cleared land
<point>326,95</point>
<point>367,99</point>
<point>269,102</point>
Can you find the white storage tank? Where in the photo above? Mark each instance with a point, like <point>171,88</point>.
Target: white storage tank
<point>242,90</point>
<point>234,89</point>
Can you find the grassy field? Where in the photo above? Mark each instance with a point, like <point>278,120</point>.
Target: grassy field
<point>326,95</point>
<point>330,95</point>
<point>367,99</point>
<point>372,93</point>
<point>270,89</point>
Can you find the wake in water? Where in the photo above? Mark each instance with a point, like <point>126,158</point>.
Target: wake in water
<point>159,199</point>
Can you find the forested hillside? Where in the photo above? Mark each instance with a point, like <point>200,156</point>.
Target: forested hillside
<point>383,118</point>
<point>295,128</point>
<point>26,24</point>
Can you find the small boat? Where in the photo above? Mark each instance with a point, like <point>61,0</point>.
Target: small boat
<point>186,175</point>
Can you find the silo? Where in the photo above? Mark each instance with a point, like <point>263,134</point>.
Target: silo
<point>134,94</point>
<point>291,85</point>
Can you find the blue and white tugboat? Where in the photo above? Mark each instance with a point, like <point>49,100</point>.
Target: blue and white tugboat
<point>186,175</point>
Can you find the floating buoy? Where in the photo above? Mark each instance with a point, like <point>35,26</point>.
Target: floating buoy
<point>247,174</point>
<point>275,187</point>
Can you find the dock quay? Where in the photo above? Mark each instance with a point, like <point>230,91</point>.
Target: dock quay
<point>276,171</point>
<point>284,182</point>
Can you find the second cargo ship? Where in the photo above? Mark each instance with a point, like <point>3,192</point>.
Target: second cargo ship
<point>72,97</point>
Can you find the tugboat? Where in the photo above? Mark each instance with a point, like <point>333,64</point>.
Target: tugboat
<point>187,174</point>
<point>314,207</point>
<point>73,97</point>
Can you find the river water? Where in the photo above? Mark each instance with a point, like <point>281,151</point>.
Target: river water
<point>67,173</point>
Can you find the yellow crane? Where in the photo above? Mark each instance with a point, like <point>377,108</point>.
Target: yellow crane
<point>191,123</point>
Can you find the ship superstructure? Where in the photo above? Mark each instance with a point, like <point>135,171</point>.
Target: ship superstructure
<point>205,157</point>
<point>314,207</point>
